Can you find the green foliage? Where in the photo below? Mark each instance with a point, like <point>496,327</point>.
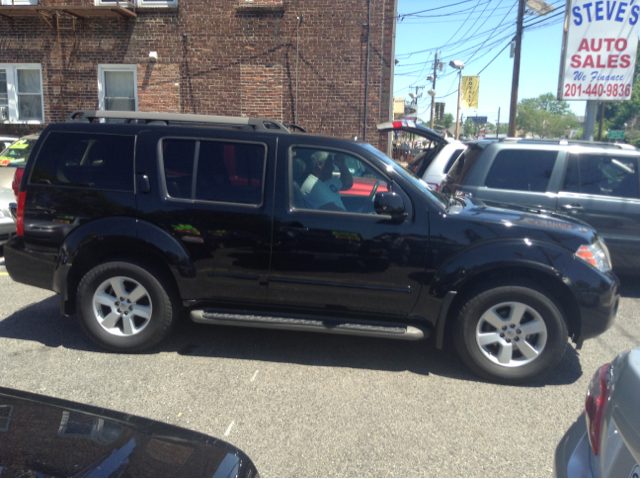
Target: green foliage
<point>625,115</point>
<point>545,117</point>
<point>447,120</point>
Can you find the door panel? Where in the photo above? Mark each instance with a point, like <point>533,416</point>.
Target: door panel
<point>343,262</point>
<point>602,190</point>
<point>214,199</point>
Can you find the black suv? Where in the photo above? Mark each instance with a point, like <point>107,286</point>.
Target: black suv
<point>134,222</point>
<point>597,183</point>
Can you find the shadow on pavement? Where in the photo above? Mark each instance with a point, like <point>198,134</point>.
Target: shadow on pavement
<point>42,322</point>
<point>630,286</point>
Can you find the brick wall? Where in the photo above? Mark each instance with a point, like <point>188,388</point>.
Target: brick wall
<point>223,57</point>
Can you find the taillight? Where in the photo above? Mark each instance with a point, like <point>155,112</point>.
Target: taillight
<point>22,196</point>
<point>17,179</point>
<point>435,186</point>
<point>596,405</point>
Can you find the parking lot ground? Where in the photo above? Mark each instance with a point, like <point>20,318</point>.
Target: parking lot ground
<point>302,404</point>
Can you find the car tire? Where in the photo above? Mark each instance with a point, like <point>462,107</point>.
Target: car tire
<point>125,307</point>
<point>510,334</point>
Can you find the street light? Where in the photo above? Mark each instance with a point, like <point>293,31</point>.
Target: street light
<point>458,65</point>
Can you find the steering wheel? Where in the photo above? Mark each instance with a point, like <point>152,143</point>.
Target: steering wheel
<point>369,204</point>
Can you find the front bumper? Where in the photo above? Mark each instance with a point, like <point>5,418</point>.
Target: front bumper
<point>598,298</point>
<point>7,229</point>
<point>573,454</point>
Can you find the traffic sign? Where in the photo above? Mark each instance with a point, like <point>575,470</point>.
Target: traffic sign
<point>616,134</point>
<point>479,119</point>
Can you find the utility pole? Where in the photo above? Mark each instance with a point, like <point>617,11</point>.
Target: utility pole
<point>458,121</point>
<point>433,97</point>
<point>516,71</point>
<point>498,124</point>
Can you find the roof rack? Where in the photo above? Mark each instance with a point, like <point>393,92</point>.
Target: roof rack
<point>564,141</point>
<point>177,119</point>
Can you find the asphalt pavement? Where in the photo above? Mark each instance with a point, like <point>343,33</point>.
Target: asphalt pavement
<point>314,405</point>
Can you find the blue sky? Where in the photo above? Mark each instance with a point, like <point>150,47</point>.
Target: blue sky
<point>458,31</point>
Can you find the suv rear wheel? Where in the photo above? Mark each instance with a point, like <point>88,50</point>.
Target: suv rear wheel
<point>123,307</point>
<point>510,334</point>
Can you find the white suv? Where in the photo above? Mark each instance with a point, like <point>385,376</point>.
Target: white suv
<point>433,169</point>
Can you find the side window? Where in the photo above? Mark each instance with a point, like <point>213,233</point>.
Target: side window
<point>177,158</point>
<point>86,160</point>
<point>572,176</point>
<point>452,160</point>
<point>522,170</point>
<point>609,175</point>
<point>230,172</point>
<point>333,181</point>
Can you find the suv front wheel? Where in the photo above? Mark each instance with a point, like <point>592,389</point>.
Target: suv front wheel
<point>511,334</point>
<point>123,307</point>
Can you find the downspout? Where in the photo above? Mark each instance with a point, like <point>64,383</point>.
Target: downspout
<point>366,86</point>
<point>295,111</point>
<point>392,75</point>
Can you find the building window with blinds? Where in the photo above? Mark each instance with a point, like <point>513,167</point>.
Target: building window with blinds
<point>21,99</point>
<point>117,87</point>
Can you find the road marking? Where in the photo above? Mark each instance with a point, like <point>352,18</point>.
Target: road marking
<point>254,376</point>
<point>229,428</point>
<point>2,273</point>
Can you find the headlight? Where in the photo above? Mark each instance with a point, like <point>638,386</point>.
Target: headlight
<point>596,254</point>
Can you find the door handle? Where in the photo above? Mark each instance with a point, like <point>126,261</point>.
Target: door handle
<point>573,207</point>
<point>142,182</point>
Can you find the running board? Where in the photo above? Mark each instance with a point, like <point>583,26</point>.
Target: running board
<point>335,326</point>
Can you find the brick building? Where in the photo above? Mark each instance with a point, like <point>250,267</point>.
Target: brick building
<point>298,61</point>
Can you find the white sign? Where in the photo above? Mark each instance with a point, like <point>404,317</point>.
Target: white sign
<point>600,43</point>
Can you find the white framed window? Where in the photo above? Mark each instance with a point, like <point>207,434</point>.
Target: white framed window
<point>18,2</point>
<point>138,3</point>
<point>118,87</point>
<point>21,99</point>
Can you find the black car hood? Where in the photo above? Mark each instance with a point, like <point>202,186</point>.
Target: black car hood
<point>42,436</point>
<point>511,221</point>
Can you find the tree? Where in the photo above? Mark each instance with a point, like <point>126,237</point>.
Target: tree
<point>617,114</point>
<point>447,120</point>
<point>545,117</point>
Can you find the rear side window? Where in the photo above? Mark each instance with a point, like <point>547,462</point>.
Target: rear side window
<point>452,159</point>
<point>86,160</point>
<point>178,158</point>
<point>607,175</point>
<point>521,170</point>
<point>218,170</point>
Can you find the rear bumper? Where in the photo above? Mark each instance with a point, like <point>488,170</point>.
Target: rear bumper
<point>572,456</point>
<point>34,268</point>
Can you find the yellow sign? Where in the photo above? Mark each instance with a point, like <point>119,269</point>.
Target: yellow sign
<point>470,91</point>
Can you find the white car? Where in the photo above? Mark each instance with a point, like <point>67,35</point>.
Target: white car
<point>5,141</point>
<point>433,169</point>
<point>7,225</point>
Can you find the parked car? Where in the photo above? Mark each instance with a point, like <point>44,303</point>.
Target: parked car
<point>132,223</point>
<point>433,168</point>
<point>593,182</point>
<point>48,437</point>
<point>7,224</point>
<point>605,439</point>
<point>15,156</point>
<point>5,141</point>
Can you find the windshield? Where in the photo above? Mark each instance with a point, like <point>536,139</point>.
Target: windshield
<point>17,153</point>
<point>408,175</point>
